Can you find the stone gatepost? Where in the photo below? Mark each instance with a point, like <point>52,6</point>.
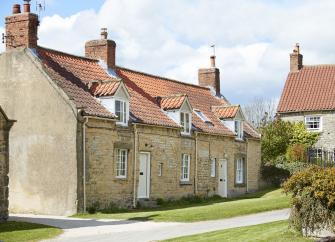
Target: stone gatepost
<point>5,125</point>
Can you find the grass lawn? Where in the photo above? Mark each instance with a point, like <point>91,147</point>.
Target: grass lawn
<point>20,231</point>
<point>276,232</point>
<point>218,208</point>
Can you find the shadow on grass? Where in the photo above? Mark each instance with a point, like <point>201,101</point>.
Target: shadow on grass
<point>144,218</point>
<point>12,226</point>
<point>180,204</point>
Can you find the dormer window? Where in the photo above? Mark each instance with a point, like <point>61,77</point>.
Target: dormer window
<point>121,111</point>
<point>115,98</point>
<point>179,109</point>
<point>232,117</point>
<point>239,129</point>
<point>185,122</point>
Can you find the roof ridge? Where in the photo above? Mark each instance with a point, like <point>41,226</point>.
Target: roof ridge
<point>162,77</point>
<point>227,106</point>
<point>68,54</point>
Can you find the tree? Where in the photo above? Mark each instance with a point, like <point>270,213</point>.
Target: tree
<point>260,111</point>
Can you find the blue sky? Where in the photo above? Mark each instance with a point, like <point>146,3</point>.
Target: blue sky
<point>172,38</point>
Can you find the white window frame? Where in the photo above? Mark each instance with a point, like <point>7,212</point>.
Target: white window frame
<point>160,169</point>
<point>184,117</point>
<point>239,175</point>
<point>122,119</point>
<point>121,163</point>
<point>238,126</point>
<point>213,167</point>
<point>310,121</point>
<point>185,168</point>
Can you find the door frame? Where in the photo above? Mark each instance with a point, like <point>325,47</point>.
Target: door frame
<point>148,171</point>
<point>224,163</point>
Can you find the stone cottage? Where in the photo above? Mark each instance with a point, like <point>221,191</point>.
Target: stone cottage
<point>5,125</point>
<point>92,132</point>
<point>309,96</point>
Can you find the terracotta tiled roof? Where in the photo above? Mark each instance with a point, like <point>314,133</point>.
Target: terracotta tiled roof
<point>223,112</point>
<point>84,79</point>
<point>200,98</point>
<point>310,89</point>
<point>65,69</point>
<point>105,88</point>
<point>172,102</point>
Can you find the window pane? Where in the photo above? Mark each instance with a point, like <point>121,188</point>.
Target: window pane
<point>118,109</point>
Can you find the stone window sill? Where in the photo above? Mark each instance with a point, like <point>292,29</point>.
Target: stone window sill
<point>185,183</point>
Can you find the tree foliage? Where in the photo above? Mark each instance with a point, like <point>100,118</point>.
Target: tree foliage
<point>282,138</point>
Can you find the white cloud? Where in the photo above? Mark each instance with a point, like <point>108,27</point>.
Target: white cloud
<point>253,38</point>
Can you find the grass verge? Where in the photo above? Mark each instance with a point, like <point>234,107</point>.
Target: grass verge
<point>21,231</point>
<point>276,232</point>
<point>206,210</point>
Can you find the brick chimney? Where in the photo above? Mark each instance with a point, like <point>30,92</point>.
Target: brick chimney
<point>296,59</point>
<point>21,28</point>
<point>103,49</point>
<point>210,77</point>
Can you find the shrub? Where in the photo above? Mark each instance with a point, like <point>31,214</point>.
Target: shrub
<point>274,175</point>
<point>313,192</point>
<point>93,208</point>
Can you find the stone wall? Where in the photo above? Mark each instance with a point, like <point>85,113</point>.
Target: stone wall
<point>5,125</point>
<point>166,147</point>
<point>327,137</point>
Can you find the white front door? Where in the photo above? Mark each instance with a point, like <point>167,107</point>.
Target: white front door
<point>144,176</point>
<point>222,187</point>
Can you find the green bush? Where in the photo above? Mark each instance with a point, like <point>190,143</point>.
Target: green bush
<point>313,192</point>
<point>274,175</point>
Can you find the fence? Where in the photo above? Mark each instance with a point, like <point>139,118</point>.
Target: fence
<point>321,157</point>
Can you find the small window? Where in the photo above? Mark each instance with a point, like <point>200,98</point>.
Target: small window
<point>316,154</point>
<point>213,167</point>
<point>185,168</point>
<point>313,123</point>
<point>201,116</point>
<point>240,171</point>
<point>160,169</point>
<point>239,129</point>
<point>121,163</point>
<point>185,122</point>
<point>121,112</point>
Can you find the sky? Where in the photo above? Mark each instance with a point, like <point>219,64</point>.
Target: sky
<point>172,38</point>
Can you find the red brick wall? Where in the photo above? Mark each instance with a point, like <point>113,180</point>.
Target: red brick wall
<point>21,31</point>
<point>210,77</point>
<point>103,50</point>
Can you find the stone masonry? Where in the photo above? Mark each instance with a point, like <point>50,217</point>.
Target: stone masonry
<point>5,125</point>
<point>327,135</point>
<point>166,147</point>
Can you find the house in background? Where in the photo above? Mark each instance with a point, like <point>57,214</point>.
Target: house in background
<point>92,132</point>
<point>309,96</point>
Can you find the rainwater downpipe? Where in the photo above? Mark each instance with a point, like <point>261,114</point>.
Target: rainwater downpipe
<point>135,164</point>
<point>84,162</point>
<point>196,164</point>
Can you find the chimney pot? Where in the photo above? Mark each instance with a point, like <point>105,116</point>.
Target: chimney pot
<point>26,7</point>
<point>104,33</point>
<point>213,61</point>
<point>16,8</point>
